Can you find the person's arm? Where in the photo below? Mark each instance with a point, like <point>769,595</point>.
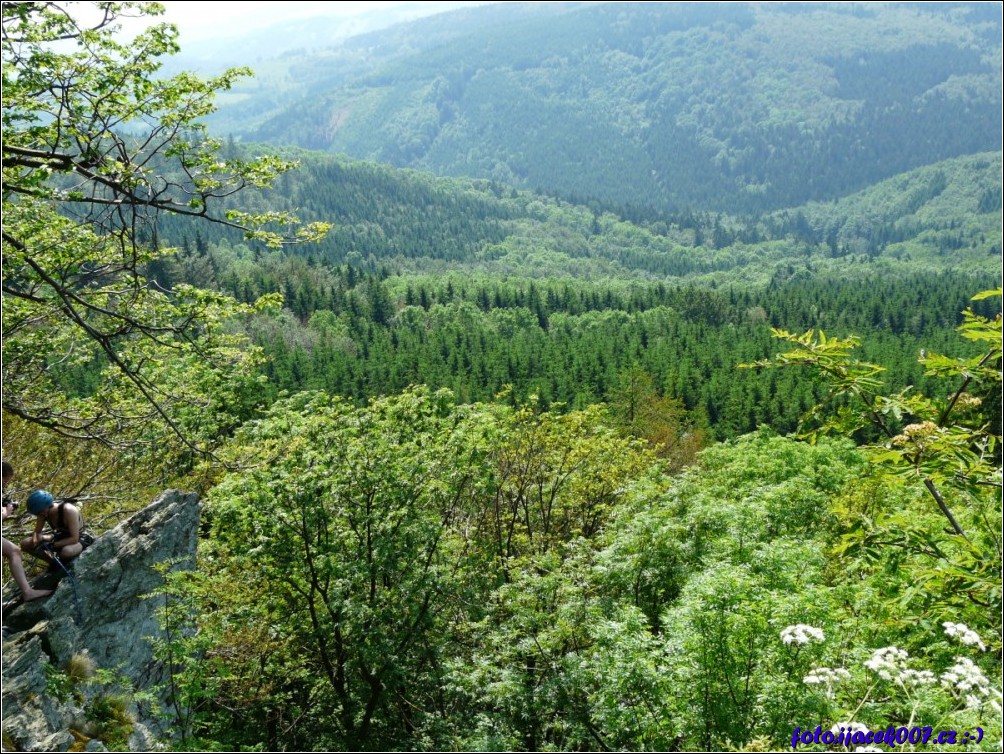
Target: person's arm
<point>71,519</point>
<point>36,536</point>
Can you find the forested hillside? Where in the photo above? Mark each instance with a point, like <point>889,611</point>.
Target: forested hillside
<point>939,217</point>
<point>735,106</point>
<point>649,399</point>
<point>482,289</point>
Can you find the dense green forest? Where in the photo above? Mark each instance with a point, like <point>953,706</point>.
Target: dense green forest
<point>704,459</point>
<point>472,287</point>
<point>725,106</point>
<point>942,216</point>
<point>361,334</point>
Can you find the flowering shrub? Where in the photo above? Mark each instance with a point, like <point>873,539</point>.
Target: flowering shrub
<point>872,694</point>
<point>963,633</point>
<point>801,634</point>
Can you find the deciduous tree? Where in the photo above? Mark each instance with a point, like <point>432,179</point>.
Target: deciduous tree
<point>95,147</point>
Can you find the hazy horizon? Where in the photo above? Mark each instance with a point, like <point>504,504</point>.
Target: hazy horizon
<point>217,20</point>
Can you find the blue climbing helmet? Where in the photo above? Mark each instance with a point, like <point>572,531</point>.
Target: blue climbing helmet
<point>38,501</point>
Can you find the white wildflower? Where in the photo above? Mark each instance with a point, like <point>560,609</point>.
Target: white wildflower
<point>964,676</point>
<point>964,634</point>
<point>911,677</point>
<point>801,634</point>
<point>888,663</point>
<point>853,727</point>
<point>827,677</point>
<point>970,685</point>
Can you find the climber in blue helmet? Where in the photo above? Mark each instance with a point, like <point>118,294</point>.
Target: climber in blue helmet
<point>67,538</point>
<point>11,551</point>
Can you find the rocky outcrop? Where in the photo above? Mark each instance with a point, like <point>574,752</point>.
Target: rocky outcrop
<point>51,644</point>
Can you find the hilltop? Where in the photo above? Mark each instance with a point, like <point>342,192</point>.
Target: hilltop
<point>675,106</point>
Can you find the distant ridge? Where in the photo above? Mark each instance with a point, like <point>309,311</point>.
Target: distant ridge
<point>729,107</point>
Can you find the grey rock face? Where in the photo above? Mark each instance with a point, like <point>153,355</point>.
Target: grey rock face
<point>113,580</point>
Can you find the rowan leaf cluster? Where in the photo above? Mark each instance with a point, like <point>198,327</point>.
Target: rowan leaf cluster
<point>96,147</point>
